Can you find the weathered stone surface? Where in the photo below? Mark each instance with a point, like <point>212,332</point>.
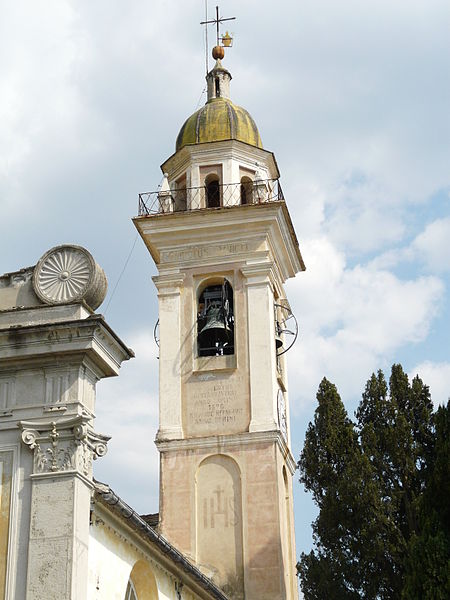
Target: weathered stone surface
<point>51,358</point>
<point>69,273</point>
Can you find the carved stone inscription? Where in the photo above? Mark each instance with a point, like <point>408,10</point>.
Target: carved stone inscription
<point>216,406</point>
<point>194,253</point>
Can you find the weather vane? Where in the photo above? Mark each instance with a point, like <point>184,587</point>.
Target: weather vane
<point>226,40</point>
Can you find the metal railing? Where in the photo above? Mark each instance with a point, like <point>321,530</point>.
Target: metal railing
<point>259,191</point>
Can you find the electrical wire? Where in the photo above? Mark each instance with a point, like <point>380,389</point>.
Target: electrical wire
<point>200,99</point>
<point>121,273</point>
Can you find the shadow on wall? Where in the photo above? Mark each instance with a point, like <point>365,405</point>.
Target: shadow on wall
<point>266,580</point>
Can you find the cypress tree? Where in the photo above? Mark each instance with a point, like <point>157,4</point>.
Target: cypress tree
<point>369,480</point>
<point>428,563</point>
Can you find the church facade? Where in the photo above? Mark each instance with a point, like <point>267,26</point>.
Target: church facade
<point>220,234</point>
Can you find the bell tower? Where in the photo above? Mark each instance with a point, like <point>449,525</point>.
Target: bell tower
<point>222,239</point>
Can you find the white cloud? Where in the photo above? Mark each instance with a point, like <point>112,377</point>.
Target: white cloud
<point>353,320</point>
<point>437,376</point>
<point>48,130</point>
<point>430,249</point>
<point>432,246</point>
<point>362,217</point>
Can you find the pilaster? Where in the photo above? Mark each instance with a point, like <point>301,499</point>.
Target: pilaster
<point>262,354</point>
<point>51,358</point>
<point>170,403</point>
<point>61,477</point>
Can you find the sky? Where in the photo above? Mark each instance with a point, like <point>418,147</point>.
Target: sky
<point>352,97</point>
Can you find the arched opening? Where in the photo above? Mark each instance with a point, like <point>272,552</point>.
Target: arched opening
<point>246,190</point>
<point>219,522</point>
<point>215,320</point>
<point>179,194</point>
<point>212,191</point>
<point>142,583</point>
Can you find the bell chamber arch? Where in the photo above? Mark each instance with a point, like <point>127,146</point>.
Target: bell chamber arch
<point>215,319</point>
<point>212,188</point>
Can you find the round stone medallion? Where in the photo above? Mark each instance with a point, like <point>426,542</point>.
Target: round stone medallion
<point>69,273</point>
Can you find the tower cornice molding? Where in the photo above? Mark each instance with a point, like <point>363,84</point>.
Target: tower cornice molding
<point>187,231</point>
<point>222,443</point>
<point>176,164</point>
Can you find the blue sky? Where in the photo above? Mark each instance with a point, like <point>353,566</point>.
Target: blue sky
<point>353,97</point>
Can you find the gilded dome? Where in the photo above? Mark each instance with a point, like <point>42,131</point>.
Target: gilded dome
<point>219,119</point>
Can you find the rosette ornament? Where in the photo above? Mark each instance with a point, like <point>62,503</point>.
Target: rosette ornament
<point>67,274</point>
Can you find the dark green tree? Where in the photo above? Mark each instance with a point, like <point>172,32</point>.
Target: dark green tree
<point>396,436</point>
<point>340,478</point>
<point>368,480</point>
<point>428,564</point>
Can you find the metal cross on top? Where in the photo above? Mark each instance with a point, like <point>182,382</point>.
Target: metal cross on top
<point>217,20</point>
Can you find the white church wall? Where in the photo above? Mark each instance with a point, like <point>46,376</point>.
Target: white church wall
<point>117,554</point>
<point>110,564</point>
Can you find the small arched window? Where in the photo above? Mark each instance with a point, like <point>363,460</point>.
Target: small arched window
<point>130,594</point>
<point>215,320</point>
<point>179,194</point>
<point>212,191</point>
<point>246,190</point>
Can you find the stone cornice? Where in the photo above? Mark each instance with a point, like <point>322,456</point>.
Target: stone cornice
<point>21,316</point>
<point>181,160</point>
<point>223,442</point>
<point>91,337</point>
<point>192,231</point>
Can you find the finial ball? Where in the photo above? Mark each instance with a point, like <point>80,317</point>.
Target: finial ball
<point>218,52</point>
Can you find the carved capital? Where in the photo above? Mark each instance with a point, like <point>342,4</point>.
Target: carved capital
<point>259,274</point>
<point>169,285</point>
<point>64,445</point>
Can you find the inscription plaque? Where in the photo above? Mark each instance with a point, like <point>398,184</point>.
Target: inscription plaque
<point>216,405</point>
<point>201,252</point>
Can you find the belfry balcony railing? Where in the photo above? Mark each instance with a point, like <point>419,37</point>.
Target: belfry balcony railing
<point>210,196</point>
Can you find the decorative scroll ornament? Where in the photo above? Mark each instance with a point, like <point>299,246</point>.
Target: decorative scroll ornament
<point>67,274</point>
<point>66,445</point>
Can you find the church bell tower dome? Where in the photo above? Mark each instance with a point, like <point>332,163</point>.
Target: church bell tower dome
<point>219,119</point>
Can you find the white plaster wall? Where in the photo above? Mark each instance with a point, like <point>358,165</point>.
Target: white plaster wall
<point>111,560</point>
<point>110,566</point>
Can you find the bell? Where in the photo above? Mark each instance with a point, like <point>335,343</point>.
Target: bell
<point>278,341</point>
<point>215,332</point>
<point>278,338</point>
